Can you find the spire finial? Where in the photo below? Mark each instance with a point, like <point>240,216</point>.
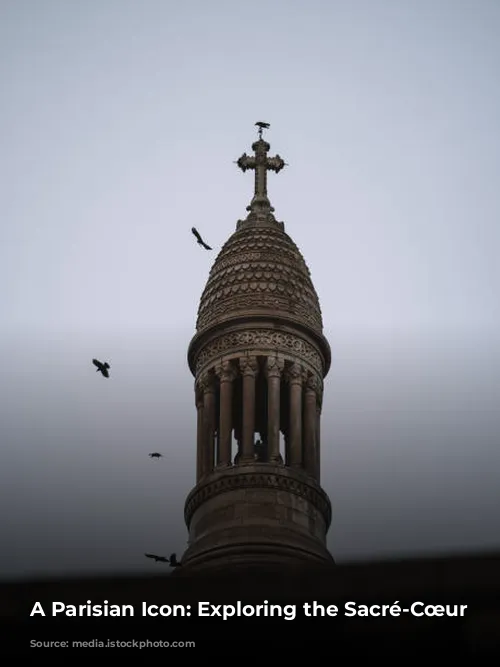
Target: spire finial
<point>260,207</point>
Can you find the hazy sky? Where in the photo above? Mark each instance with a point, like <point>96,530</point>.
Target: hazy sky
<point>120,121</point>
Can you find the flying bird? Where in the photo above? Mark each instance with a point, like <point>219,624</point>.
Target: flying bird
<point>156,455</point>
<point>199,239</point>
<point>263,126</point>
<point>157,559</point>
<point>101,367</point>
<point>172,561</point>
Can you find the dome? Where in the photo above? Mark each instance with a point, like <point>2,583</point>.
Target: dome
<point>259,272</point>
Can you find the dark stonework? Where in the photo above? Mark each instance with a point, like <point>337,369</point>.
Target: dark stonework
<point>256,514</point>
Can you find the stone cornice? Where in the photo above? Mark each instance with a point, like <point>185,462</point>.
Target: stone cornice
<point>258,477</point>
<point>248,334</point>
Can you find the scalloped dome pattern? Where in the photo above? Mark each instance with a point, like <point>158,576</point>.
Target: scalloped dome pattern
<point>259,271</point>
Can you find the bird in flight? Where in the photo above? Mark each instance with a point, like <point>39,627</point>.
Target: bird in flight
<point>172,561</point>
<point>156,455</point>
<point>157,559</point>
<point>199,239</point>
<point>102,367</point>
<point>263,126</point>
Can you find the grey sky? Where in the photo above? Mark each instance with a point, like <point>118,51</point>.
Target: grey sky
<point>120,120</point>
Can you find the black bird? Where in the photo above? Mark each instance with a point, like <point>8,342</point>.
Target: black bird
<point>157,559</point>
<point>173,561</point>
<point>155,455</point>
<point>102,367</point>
<point>200,240</point>
<point>263,126</point>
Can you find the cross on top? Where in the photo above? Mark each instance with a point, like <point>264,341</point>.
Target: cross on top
<point>260,205</point>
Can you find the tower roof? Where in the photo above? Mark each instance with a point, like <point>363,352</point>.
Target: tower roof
<point>259,272</point>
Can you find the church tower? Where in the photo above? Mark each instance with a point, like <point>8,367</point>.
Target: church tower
<point>259,358</point>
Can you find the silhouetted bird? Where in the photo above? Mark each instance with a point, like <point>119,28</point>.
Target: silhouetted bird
<point>102,367</point>
<point>157,559</point>
<point>199,239</point>
<point>156,455</point>
<point>262,125</point>
<point>173,561</point>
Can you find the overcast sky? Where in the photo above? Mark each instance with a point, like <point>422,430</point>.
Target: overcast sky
<point>120,121</point>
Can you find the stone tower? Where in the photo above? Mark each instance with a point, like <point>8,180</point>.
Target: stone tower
<point>259,358</point>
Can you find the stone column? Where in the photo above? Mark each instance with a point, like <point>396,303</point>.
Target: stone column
<point>226,376</point>
<point>274,369</point>
<point>200,471</point>
<point>248,367</point>
<point>319,402</point>
<point>208,384</point>
<point>309,449</point>
<point>295,379</point>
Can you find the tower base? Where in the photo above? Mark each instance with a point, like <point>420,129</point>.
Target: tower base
<point>256,517</point>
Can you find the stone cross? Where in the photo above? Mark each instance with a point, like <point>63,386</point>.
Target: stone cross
<point>261,164</point>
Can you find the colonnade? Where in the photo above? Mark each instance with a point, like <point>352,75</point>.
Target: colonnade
<point>215,388</point>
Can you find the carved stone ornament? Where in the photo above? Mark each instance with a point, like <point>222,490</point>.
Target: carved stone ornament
<point>295,374</point>
<point>207,382</point>
<point>226,371</point>
<point>204,492</point>
<point>260,207</point>
<point>264,339</point>
<point>274,367</point>
<point>312,383</point>
<point>248,365</point>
